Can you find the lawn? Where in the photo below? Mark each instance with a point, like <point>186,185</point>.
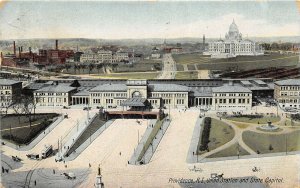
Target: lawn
<point>21,132</point>
<point>144,66</point>
<point>141,66</point>
<point>243,62</point>
<point>220,134</point>
<point>288,122</point>
<point>145,75</point>
<point>179,67</point>
<point>187,75</point>
<point>230,151</point>
<point>272,143</point>
<point>262,120</point>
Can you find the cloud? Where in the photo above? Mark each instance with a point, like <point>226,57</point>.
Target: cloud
<point>218,26</point>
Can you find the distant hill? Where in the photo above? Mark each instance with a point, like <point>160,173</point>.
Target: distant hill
<point>82,43</point>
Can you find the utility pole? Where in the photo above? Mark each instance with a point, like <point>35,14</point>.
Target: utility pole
<point>77,125</point>
<point>138,137</point>
<point>286,144</point>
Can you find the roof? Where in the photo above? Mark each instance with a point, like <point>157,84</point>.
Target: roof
<point>110,87</point>
<point>202,91</point>
<point>168,88</point>
<point>246,82</point>
<point>135,101</point>
<point>289,82</point>
<point>136,82</point>
<point>259,82</point>
<point>8,82</point>
<point>231,89</point>
<point>61,88</point>
<point>35,86</point>
<point>82,93</point>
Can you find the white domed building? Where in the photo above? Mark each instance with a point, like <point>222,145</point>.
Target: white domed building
<point>233,45</point>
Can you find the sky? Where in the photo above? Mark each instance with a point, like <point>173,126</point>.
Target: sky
<point>146,19</point>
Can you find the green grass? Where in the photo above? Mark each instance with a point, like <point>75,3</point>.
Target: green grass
<point>143,66</point>
<point>262,120</point>
<point>243,62</point>
<point>149,140</point>
<point>190,58</point>
<point>21,132</point>
<point>262,141</point>
<point>145,75</point>
<point>187,75</point>
<point>230,151</point>
<point>220,134</point>
<point>179,67</point>
<point>95,125</point>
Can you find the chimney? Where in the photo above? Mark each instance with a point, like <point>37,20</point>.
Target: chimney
<point>56,44</point>
<point>21,48</point>
<point>19,52</point>
<point>15,48</point>
<point>29,49</point>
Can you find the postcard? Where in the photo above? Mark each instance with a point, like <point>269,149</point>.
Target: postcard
<point>189,94</point>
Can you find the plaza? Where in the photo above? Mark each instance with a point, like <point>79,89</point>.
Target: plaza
<point>173,158</point>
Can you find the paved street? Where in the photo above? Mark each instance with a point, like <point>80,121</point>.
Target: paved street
<point>169,67</point>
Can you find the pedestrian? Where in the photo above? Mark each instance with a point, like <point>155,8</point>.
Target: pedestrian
<point>34,182</point>
<point>193,153</point>
<point>90,165</point>
<point>120,153</point>
<point>2,169</point>
<point>53,171</point>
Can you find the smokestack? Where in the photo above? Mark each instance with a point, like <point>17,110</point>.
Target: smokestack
<point>99,171</point>
<point>21,48</point>
<point>15,48</point>
<point>56,44</point>
<point>19,52</point>
<point>29,50</point>
<point>203,42</point>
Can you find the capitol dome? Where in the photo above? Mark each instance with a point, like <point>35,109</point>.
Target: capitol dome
<point>233,27</point>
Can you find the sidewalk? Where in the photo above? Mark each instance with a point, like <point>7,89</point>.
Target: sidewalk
<point>85,144</point>
<point>74,134</point>
<point>152,148</point>
<point>194,142</point>
<point>139,148</point>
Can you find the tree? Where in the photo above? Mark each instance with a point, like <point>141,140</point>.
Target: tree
<point>91,67</point>
<point>274,46</point>
<point>17,107</point>
<point>99,66</point>
<point>28,106</point>
<point>271,147</point>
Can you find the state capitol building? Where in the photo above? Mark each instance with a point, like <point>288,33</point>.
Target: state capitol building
<point>233,45</point>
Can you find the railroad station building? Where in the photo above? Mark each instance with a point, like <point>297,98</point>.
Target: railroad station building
<point>287,93</point>
<point>213,94</point>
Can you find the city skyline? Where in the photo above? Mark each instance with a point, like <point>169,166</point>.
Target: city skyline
<point>138,20</point>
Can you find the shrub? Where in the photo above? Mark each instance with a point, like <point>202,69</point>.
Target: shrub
<point>205,134</point>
